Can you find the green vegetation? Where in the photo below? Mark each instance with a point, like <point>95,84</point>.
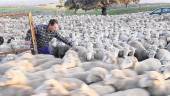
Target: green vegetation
<point>111,11</point>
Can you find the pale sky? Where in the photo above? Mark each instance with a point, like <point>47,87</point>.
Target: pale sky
<point>26,2</point>
<point>35,2</point>
<point>155,1</point>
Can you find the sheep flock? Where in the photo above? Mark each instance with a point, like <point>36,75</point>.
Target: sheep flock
<point>120,55</point>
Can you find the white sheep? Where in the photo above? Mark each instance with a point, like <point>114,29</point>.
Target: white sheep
<point>127,62</point>
<point>163,56</point>
<point>52,87</point>
<point>154,82</point>
<point>13,90</point>
<point>96,74</point>
<point>71,59</point>
<point>84,90</point>
<point>130,92</point>
<point>122,79</point>
<point>102,89</point>
<point>89,65</point>
<point>150,64</point>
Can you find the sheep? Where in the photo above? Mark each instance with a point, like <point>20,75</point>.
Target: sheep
<point>24,65</point>
<point>80,75</point>
<point>96,74</point>
<point>167,84</point>
<point>41,59</point>
<point>25,56</point>
<point>126,50</point>
<point>130,92</point>
<point>90,52</point>
<point>106,62</point>
<point>9,57</point>
<point>165,70</point>
<point>14,90</point>
<point>71,59</point>
<point>122,79</point>
<point>150,64</point>
<point>84,90</point>
<point>13,76</point>
<point>163,56</point>
<point>82,51</point>
<point>154,82</point>
<point>168,46</point>
<point>102,89</point>
<point>140,52</point>
<point>56,71</point>
<point>98,55</point>
<point>110,57</point>
<point>89,65</point>
<point>52,87</point>
<point>46,65</point>
<point>70,84</point>
<point>127,62</point>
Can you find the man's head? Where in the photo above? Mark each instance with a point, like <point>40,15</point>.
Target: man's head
<point>53,25</point>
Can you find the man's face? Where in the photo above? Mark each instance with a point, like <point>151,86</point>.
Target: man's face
<point>53,28</point>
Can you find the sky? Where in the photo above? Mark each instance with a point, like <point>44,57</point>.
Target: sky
<point>155,1</point>
<point>36,2</point>
<point>25,2</point>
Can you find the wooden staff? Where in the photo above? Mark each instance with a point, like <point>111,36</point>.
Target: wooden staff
<point>33,33</point>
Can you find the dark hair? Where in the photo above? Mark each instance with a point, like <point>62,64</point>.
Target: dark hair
<point>52,22</point>
<point>1,40</point>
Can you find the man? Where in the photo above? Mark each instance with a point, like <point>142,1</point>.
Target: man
<point>45,33</point>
